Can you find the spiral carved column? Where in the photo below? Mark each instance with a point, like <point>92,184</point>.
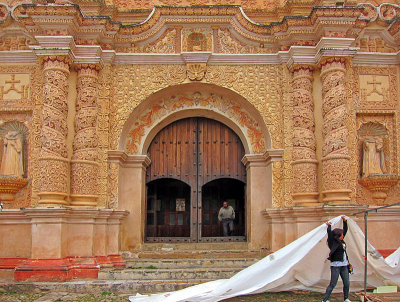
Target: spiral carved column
<point>305,164</point>
<point>84,162</point>
<point>335,152</point>
<point>53,161</point>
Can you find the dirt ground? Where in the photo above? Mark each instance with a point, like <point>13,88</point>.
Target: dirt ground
<point>297,296</point>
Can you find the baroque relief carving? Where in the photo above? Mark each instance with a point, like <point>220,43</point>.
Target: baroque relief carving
<point>377,88</point>
<point>164,44</point>
<point>373,125</point>
<point>84,158</point>
<point>15,86</point>
<point>335,152</point>
<point>196,71</point>
<point>103,127</point>
<point>374,44</point>
<point>12,43</point>
<point>196,101</point>
<point>305,187</point>
<point>133,84</point>
<point>260,85</point>
<point>26,111</point>
<point>197,39</point>
<point>53,154</point>
<point>229,44</point>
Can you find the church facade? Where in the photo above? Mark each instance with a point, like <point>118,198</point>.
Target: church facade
<point>129,123</point>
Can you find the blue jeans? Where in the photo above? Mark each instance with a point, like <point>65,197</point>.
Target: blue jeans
<point>344,274</point>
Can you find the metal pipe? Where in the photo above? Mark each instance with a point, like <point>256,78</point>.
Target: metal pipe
<point>365,252</point>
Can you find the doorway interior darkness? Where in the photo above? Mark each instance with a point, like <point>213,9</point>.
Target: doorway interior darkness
<point>195,166</point>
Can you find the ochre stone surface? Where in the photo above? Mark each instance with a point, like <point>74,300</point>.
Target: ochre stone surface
<point>88,86</point>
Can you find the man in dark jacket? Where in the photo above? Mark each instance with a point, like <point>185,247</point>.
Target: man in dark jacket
<point>339,261</point>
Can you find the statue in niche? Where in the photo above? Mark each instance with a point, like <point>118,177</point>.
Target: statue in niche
<point>11,162</point>
<point>373,157</point>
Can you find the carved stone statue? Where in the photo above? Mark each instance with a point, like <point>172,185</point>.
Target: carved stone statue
<point>11,163</point>
<point>373,157</point>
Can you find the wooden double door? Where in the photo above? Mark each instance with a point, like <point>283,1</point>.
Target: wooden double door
<point>195,166</point>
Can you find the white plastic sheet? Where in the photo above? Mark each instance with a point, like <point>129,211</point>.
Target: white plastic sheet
<point>301,265</point>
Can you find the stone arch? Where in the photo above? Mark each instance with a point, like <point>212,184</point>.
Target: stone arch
<point>166,106</point>
<point>189,100</point>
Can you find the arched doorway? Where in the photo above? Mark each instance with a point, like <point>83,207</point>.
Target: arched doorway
<point>195,165</point>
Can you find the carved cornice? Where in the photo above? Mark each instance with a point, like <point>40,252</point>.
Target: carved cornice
<point>104,36</point>
<point>34,16</point>
<point>128,160</point>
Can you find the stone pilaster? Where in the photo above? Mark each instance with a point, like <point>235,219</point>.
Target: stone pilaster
<point>53,161</point>
<point>305,164</point>
<point>84,161</point>
<point>335,151</point>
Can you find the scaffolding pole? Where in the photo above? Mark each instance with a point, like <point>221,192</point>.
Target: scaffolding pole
<point>376,210</point>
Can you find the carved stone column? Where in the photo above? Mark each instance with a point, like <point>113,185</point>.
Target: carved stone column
<point>305,164</point>
<point>84,161</point>
<point>53,161</point>
<point>335,152</point>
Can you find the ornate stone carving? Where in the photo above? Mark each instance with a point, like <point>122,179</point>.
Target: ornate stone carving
<point>373,157</point>
<point>379,185</point>
<point>375,169</point>
<point>9,186</point>
<point>165,44</point>
<point>196,71</point>
<point>103,130</point>
<point>229,44</point>
<point>11,43</point>
<point>84,161</point>
<point>53,162</point>
<point>179,102</point>
<point>13,161</point>
<point>336,159</point>
<point>305,187</point>
<point>14,86</point>
<point>259,85</point>
<point>113,169</point>
<point>196,39</point>
<point>376,88</point>
<point>375,44</point>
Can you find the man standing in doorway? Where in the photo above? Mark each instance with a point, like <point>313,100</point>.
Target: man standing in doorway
<point>226,215</point>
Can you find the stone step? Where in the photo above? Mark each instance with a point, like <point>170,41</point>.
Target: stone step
<point>141,263</point>
<point>178,253</point>
<point>168,274</point>
<point>99,286</point>
<point>209,246</point>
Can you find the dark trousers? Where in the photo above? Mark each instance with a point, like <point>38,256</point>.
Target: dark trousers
<point>344,274</point>
<point>227,226</point>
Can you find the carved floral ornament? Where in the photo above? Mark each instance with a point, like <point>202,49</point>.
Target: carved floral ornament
<point>228,108</point>
<point>385,12</point>
<point>34,14</point>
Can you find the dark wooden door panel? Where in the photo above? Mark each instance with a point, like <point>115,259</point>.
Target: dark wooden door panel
<point>221,152</point>
<point>195,151</point>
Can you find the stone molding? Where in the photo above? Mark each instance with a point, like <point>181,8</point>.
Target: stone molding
<point>264,159</point>
<point>348,22</point>
<point>126,160</point>
<point>292,223</point>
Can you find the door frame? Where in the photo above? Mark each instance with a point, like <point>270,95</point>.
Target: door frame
<point>196,187</point>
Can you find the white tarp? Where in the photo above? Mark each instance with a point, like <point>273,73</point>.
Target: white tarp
<point>301,265</point>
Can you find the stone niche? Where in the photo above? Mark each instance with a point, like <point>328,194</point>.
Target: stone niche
<point>13,166</point>
<point>376,173</point>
